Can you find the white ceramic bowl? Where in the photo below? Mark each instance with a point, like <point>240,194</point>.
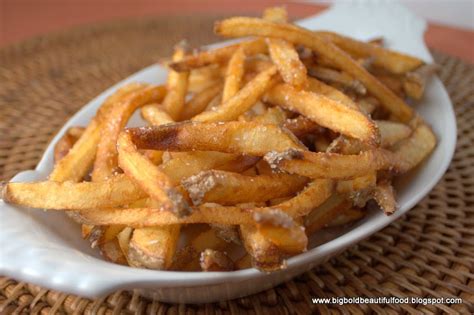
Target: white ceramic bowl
<point>46,248</point>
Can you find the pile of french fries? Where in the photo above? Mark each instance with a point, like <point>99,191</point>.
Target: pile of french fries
<point>255,146</point>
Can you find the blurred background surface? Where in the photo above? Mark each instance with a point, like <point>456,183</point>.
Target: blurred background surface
<point>451,27</point>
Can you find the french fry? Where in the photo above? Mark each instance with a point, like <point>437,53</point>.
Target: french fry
<point>111,251</point>
<point>414,82</point>
<point>319,87</point>
<point>230,137</point>
<point>200,101</point>
<point>283,54</point>
<point>68,195</point>
<point>243,262</point>
<point>149,177</point>
<point>228,188</point>
<point>106,164</point>
<point>325,112</point>
<point>62,147</point>
<point>280,229</point>
<point>234,74</point>
<point>301,126</point>
<point>333,76</point>
<point>390,60</point>
<point>242,101</point>
<point>384,195</point>
<point>219,55</point>
<point>356,184</point>
<point>155,116</point>
<point>239,26</point>
<point>213,260</point>
<point>327,212</point>
<point>392,132</point>
<point>272,115</point>
<point>205,77</point>
<point>413,150</point>
<point>153,247</point>
<point>123,239</point>
<point>177,86</point>
<point>347,216</point>
<point>334,165</point>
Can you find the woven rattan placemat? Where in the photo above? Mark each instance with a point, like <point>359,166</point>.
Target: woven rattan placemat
<point>427,253</point>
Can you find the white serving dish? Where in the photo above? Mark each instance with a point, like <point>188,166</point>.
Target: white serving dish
<point>46,248</point>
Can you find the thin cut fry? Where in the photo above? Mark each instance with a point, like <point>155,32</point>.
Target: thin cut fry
<point>332,76</point>
<point>325,112</point>
<point>231,137</point>
<point>177,86</point>
<point>390,60</point>
<point>242,101</point>
<point>234,74</point>
<point>155,116</point>
<point>219,55</point>
<point>228,188</point>
<point>325,213</point>
<point>238,27</point>
<point>384,195</point>
<point>200,101</point>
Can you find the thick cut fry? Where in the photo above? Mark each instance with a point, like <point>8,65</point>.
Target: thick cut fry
<point>155,116</point>
<point>325,112</point>
<point>153,247</point>
<point>228,188</point>
<point>384,195</point>
<point>231,137</point>
<point>392,132</point>
<point>106,160</point>
<point>390,60</point>
<point>334,165</point>
<point>177,86</point>
<point>234,74</point>
<point>200,101</point>
<point>149,177</point>
<point>327,212</point>
<point>99,235</point>
<point>416,148</point>
<point>115,192</point>
<point>213,260</point>
<point>239,26</point>
<point>333,76</point>
<point>66,142</point>
<point>243,100</point>
<point>219,55</point>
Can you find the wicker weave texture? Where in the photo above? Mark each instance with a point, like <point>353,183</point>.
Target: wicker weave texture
<point>428,253</point>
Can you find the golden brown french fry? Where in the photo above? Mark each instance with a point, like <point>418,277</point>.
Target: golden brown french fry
<point>272,115</point>
<point>326,213</point>
<point>392,132</point>
<point>347,216</point>
<point>219,55</point>
<point>312,196</point>
<point>333,76</point>
<point>280,229</point>
<point>116,191</point>
<point>200,101</point>
<point>155,116</point>
<point>176,85</point>
<point>301,126</point>
<point>230,137</point>
<point>228,188</point>
<point>384,195</point>
<point>319,87</point>
<point>234,74</point>
<point>205,77</point>
<point>213,260</point>
<point>325,112</point>
<point>414,82</point>
<point>265,255</point>
<point>390,60</point>
<point>149,177</point>
<point>239,26</point>
<point>153,247</point>
<point>99,235</point>
<point>106,159</point>
<point>243,100</point>
<point>413,150</point>
<point>66,142</point>
<point>334,165</point>
<point>394,83</point>
<point>356,184</point>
